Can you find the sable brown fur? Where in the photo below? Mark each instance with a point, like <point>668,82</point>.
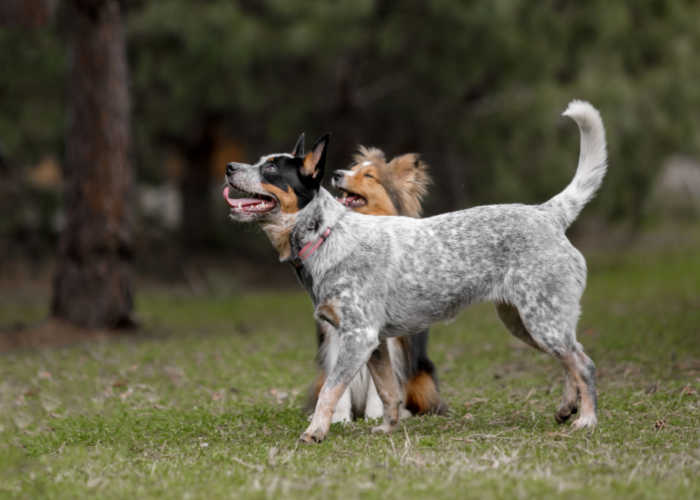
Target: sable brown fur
<point>422,395</point>
<point>405,178</point>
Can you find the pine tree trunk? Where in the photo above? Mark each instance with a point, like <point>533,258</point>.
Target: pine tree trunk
<point>92,285</point>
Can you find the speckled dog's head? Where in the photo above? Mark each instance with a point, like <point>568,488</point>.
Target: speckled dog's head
<point>273,190</point>
<point>374,187</point>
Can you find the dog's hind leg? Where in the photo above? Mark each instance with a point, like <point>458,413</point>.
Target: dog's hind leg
<point>511,319</point>
<point>387,387</point>
<point>549,323</point>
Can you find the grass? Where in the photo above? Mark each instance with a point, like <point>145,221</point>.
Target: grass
<point>206,403</point>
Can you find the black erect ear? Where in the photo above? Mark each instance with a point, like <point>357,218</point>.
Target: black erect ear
<point>315,160</point>
<point>299,146</point>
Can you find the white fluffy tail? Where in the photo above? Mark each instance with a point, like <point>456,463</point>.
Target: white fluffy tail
<point>592,164</point>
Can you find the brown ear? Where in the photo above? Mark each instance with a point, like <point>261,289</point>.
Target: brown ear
<point>411,178</point>
<point>315,160</point>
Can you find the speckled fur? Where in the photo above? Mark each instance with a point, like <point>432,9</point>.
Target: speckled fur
<point>402,183</point>
<point>396,275</point>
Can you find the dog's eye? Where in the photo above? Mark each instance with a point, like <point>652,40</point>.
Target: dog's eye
<point>370,176</point>
<point>270,168</point>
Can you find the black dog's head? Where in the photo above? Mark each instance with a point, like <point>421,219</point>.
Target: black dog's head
<point>281,183</point>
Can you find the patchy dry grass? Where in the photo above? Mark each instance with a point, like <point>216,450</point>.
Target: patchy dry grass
<point>206,404</point>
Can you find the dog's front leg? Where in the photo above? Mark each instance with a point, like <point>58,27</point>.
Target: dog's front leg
<point>355,348</point>
<point>387,386</point>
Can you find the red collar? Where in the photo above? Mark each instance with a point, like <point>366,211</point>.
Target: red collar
<point>309,249</point>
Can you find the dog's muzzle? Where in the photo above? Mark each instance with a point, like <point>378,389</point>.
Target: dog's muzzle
<point>337,177</point>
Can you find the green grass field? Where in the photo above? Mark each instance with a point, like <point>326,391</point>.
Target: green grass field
<point>206,403</point>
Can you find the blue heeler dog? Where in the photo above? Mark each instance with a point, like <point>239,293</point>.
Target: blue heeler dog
<point>378,277</point>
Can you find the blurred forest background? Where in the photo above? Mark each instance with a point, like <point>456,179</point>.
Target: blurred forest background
<point>144,102</point>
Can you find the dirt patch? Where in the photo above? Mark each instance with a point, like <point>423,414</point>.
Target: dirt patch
<point>50,333</point>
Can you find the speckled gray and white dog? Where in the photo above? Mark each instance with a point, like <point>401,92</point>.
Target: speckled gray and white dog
<point>377,277</point>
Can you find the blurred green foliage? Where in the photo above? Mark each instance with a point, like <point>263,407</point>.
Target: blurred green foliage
<point>475,86</point>
<point>32,94</point>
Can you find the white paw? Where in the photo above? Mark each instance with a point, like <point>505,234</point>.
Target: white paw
<point>404,413</point>
<point>585,422</point>
<point>313,435</point>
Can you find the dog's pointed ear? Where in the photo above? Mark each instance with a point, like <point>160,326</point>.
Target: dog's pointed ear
<point>411,179</point>
<point>299,146</point>
<point>315,160</point>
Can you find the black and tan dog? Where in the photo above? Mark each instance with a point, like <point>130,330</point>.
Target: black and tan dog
<point>374,186</point>
<point>371,186</point>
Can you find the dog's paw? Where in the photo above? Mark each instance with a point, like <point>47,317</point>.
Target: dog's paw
<point>585,422</point>
<point>312,435</point>
<point>564,412</point>
<point>310,438</point>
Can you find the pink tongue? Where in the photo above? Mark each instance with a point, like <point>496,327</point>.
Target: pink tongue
<point>247,204</point>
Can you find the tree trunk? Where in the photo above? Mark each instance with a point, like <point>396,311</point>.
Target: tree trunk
<point>92,285</point>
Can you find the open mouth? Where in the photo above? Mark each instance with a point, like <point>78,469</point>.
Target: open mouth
<point>256,204</point>
<point>351,200</point>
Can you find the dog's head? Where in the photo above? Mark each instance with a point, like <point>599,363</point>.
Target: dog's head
<point>373,186</point>
<point>277,184</point>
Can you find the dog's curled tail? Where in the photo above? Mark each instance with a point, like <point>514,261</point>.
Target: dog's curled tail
<point>592,164</point>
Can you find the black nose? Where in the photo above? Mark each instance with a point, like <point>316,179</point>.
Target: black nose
<point>231,168</point>
<point>337,176</point>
